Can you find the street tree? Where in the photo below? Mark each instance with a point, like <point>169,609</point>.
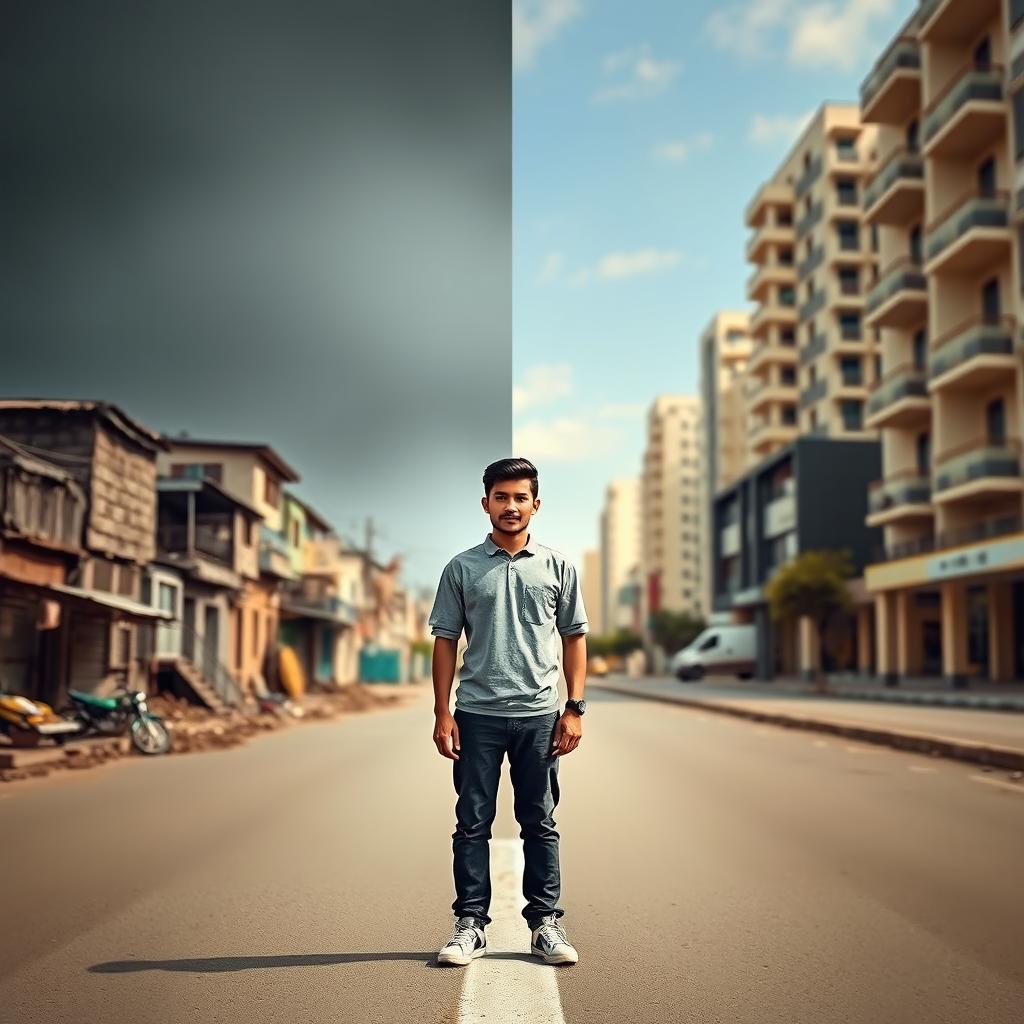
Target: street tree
<point>672,631</point>
<point>812,585</point>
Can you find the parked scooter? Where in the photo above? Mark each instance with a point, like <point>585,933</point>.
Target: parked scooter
<point>25,722</point>
<point>125,710</point>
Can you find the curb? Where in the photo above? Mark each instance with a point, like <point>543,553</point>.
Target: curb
<point>902,739</point>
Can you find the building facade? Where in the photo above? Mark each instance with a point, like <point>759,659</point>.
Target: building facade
<point>813,357</point>
<point>946,96</point>
<point>620,549</point>
<point>671,502</point>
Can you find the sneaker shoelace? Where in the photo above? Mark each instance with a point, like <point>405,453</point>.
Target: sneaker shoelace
<point>553,932</point>
<point>463,934</point>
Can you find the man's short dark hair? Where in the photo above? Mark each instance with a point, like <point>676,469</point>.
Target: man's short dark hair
<point>511,469</point>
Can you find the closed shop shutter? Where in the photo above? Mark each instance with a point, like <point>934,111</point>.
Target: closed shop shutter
<point>19,642</point>
<point>90,638</point>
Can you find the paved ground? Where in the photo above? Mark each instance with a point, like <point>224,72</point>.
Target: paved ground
<point>713,870</point>
<point>1004,728</point>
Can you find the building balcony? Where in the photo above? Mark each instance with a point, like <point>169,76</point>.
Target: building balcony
<point>900,497</point>
<point>809,219</point>
<point>978,471</point>
<point>767,437</point>
<point>771,353</point>
<point>729,540</point>
<point>809,176</point>
<point>814,393</point>
<point>968,115</point>
<point>970,235</point>
<point>900,298</point>
<point>814,305</point>
<point>766,236</point>
<point>768,276</point>
<point>899,399</point>
<point>815,260</point>
<point>892,91</point>
<point>976,354</point>
<point>814,348</point>
<point>895,195</point>
<point>770,196</point>
<point>954,21</point>
<point>770,393</point>
<point>769,314</point>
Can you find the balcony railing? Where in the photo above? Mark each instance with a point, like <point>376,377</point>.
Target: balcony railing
<point>905,381</point>
<point>813,349</point>
<point>809,219</point>
<point>907,488</point>
<point>813,305</point>
<point>973,83</point>
<point>815,260</point>
<point>209,541</point>
<point>904,274</point>
<point>988,529</point>
<point>814,393</point>
<point>808,178</point>
<point>978,460</point>
<point>975,337</point>
<point>903,52</point>
<point>903,165</point>
<point>972,210</point>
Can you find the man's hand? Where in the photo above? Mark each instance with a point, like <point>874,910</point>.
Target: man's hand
<point>446,734</point>
<point>568,733</point>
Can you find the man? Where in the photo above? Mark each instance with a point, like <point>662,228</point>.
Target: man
<point>511,594</point>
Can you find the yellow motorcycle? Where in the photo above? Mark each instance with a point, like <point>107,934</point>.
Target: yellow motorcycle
<point>25,722</point>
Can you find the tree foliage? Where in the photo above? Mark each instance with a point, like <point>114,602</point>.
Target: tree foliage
<point>672,631</point>
<point>813,584</point>
<point>620,643</point>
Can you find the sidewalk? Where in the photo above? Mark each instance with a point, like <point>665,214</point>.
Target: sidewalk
<point>967,731</point>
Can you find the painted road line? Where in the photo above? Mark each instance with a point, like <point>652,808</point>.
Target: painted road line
<point>508,985</point>
<point>820,743</point>
<point>1013,787</point>
<point>923,768</point>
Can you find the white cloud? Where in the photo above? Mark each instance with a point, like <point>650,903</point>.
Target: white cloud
<point>565,439</point>
<point>830,33</point>
<point>778,129</point>
<point>542,383</point>
<point>835,34</point>
<point>680,150</point>
<point>535,24</point>
<point>551,269</point>
<point>641,261</point>
<point>637,75</point>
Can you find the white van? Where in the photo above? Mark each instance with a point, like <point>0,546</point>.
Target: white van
<point>719,650</point>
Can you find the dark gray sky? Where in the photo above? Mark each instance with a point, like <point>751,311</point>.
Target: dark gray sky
<point>285,222</point>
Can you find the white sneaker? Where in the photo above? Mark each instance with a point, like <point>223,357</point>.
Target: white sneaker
<point>549,942</point>
<point>468,941</point>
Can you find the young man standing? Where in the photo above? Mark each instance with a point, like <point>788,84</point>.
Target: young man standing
<point>512,595</point>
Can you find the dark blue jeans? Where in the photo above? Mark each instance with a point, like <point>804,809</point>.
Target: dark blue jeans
<point>484,741</point>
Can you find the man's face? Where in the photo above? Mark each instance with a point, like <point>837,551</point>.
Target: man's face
<point>510,505</point>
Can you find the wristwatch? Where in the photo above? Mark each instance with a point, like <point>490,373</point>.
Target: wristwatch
<point>579,706</point>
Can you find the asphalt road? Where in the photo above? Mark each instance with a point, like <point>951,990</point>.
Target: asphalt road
<point>713,870</point>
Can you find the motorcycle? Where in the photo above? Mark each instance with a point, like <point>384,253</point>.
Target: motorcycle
<point>25,722</point>
<point>125,710</point>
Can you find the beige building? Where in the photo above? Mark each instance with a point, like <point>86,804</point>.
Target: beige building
<point>671,502</point>
<point>592,583</point>
<point>620,549</point>
<point>725,349</point>
<point>812,358</point>
<point>949,590</point>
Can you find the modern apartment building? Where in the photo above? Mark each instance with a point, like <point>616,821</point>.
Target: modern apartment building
<point>812,358</point>
<point>725,348</point>
<point>795,500</point>
<point>591,582</point>
<point>672,507</point>
<point>947,201</point>
<point>620,549</point>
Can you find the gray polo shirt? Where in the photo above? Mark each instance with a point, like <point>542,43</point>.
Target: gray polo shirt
<point>513,609</point>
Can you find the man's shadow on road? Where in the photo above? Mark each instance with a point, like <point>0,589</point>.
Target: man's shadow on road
<point>222,964</point>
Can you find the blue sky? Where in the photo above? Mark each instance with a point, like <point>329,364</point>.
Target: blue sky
<point>640,132</point>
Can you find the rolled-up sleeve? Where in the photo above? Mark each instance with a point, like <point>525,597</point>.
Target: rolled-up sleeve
<point>448,616</point>
<point>571,616</point>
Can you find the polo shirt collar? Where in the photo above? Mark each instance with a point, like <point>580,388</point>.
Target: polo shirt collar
<point>490,547</point>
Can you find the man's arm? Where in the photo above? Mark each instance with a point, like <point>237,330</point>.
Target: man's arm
<point>442,667</point>
<point>574,664</point>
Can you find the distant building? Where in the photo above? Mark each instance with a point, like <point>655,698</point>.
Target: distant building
<point>591,579</point>
<point>620,540</point>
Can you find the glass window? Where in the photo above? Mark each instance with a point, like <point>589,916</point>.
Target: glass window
<point>846,192</point>
<point>852,413</point>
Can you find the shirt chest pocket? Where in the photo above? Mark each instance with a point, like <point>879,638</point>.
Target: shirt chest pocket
<point>536,602</point>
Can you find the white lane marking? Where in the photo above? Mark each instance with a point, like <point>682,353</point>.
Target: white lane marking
<point>1013,787</point>
<point>862,750</point>
<point>820,743</point>
<point>509,990</point>
<point>921,768</point>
